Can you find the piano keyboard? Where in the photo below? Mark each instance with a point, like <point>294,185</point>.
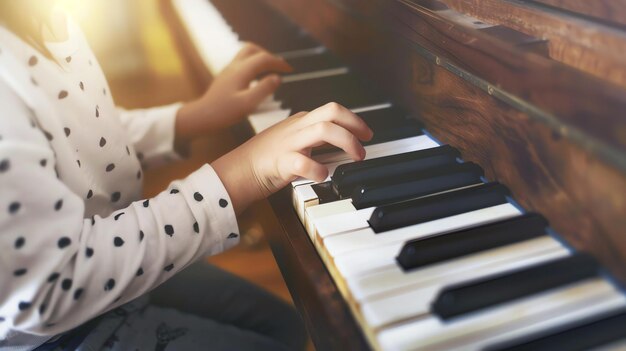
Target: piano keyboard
<point>428,254</point>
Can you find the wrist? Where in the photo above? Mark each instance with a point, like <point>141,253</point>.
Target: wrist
<point>238,179</point>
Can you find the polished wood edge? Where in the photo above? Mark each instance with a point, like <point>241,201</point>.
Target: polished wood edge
<point>578,42</point>
<point>610,11</point>
<point>325,312</point>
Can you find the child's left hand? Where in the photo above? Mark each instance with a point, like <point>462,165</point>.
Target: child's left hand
<point>230,97</point>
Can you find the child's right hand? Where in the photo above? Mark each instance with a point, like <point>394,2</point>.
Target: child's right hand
<point>280,154</point>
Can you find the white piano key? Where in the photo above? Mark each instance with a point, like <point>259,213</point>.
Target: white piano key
<point>297,77</point>
<point>214,40</point>
<point>304,196</point>
<point>415,143</point>
<point>361,239</point>
<point>514,319</point>
<point>343,223</point>
<point>410,294</point>
<point>371,108</point>
<point>260,121</point>
<point>313,213</point>
<point>302,53</point>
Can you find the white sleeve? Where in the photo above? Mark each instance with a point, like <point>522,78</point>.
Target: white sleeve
<point>152,133</point>
<point>59,269</point>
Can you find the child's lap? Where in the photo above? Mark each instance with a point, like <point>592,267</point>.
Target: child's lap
<point>201,308</point>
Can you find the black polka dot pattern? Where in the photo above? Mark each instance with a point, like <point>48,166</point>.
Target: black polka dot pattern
<point>66,284</point>
<point>196,227</point>
<point>174,191</point>
<point>22,306</point>
<point>110,167</point>
<point>78,293</point>
<point>109,285</point>
<point>42,309</point>
<point>68,59</point>
<point>97,111</point>
<point>64,242</point>
<point>58,205</point>
<point>63,94</point>
<point>169,230</point>
<point>20,272</point>
<point>81,85</point>
<point>232,236</point>
<point>169,267</point>
<point>141,235</point>
<point>223,203</point>
<point>89,194</point>
<point>43,162</point>
<point>198,197</point>
<point>19,242</point>
<point>67,131</point>
<point>32,61</point>
<point>4,166</point>
<point>139,272</point>
<point>118,242</point>
<point>89,252</point>
<point>103,142</point>
<point>49,136</point>
<point>117,216</point>
<point>14,207</point>
<point>52,277</point>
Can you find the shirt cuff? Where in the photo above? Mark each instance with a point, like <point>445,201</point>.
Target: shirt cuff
<point>218,213</point>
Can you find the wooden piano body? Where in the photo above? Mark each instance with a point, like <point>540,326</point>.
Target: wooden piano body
<point>533,91</point>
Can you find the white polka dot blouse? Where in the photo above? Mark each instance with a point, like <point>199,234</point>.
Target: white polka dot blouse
<point>77,239</point>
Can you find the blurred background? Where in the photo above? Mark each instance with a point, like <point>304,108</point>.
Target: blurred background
<point>141,61</point>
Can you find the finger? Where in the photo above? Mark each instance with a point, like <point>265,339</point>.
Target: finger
<point>335,113</point>
<point>259,92</point>
<point>248,50</point>
<point>263,62</point>
<point>328,132</point>
<point>295,164</point>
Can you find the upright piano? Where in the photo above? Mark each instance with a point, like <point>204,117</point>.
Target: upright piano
<point>490,212</point>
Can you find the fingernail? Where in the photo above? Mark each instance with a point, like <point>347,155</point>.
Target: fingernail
<point>276,79</point>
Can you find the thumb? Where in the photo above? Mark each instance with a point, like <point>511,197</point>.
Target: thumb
<point>260,91</point>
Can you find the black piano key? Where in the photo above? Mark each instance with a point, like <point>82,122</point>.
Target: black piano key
<point>256,22</point>
<point>434,207</point>
<point>441,155</point>
<point>313,63</point>
<point>345,184</point>
<point>422,252</point>
<point>325,193</point>
<point>487,292</point>
<point>418,184</point>
<point>345,89</point>
<point>594,334</point>
<point>388,124</point>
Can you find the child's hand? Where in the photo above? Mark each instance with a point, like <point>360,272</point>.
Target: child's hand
<point>230,97</point>
<point>272,159</point>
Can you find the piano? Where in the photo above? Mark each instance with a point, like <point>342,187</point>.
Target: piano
<point>490,212</point>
